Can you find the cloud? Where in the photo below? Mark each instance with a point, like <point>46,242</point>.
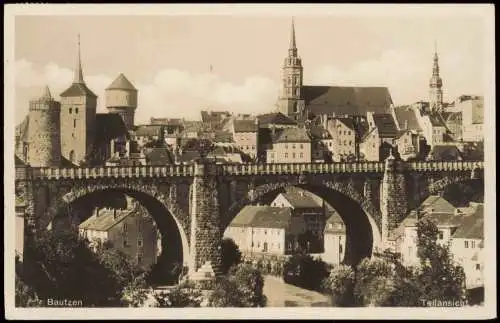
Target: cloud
<point>171,93</point>
<point>406,74</point>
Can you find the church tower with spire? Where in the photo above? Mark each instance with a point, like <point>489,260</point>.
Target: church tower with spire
<point>435,86</point>
<point>78,117</point>
<point>44,145</point>
<point>290,101</point>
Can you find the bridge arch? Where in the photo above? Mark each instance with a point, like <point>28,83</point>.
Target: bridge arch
<point>361,217</point>
<point>168,217</point>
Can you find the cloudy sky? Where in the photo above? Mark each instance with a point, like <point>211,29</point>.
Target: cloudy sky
<point>168,58</point>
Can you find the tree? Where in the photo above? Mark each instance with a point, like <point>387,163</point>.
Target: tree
<point>373,282</point>
<point>231,254</point>
<point>183,295</point>
<point>226,294</point>
<point>251,284</point>
<point>136,292</point>
<point>304,271</point>
<point>439,277</point>
<point>63,267</point>
<point>340,285</point>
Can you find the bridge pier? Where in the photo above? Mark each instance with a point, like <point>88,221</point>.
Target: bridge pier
<point>206,235</point>
<point>394,197</point>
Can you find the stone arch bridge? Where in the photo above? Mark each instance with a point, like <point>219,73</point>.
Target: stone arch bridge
<point>203,198</point>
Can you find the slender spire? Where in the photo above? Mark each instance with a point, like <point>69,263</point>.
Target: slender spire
<point>46,93</point>
<point>78,69</point>
<point>435,67</point>
<point>293,46</point>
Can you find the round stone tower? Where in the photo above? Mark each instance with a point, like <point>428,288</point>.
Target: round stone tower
<point>121,98</point>
<point>44,138</point>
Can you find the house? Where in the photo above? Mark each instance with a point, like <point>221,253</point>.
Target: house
<point>378,141</point>
<point>436,203</point>
<point>445,152</point>
<point>288,145</point>
<point>343,138</point>
<point>454,124</point>
<point>407,144</point>
<point>334,240</point>
<point>322,143</point>
<point>245,136</point>
<point>306,205</point>
<point>266,230</point>
<point>467,244</point>
<point>277,120</point>
<point>131,230</point>
<point>473,119</point>
<point>148,133</point>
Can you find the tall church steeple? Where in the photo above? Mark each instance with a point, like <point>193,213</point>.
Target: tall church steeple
<point>435,85</point>
<point>78,69</point>
<point>290,100</point>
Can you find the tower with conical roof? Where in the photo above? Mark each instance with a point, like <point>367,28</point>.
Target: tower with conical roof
<point>121,98</point>
<point>44,145</point>
<point>436,85</point>
<point>78,117</point>
<point>290,101</point>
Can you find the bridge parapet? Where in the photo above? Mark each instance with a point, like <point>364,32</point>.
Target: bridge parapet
<point>114,171</point>
<point>301,168</point>
<point>435,166</point>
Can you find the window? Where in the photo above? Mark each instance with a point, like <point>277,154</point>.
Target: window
<point>293,155</point>
<point>253,147</point>
<point>125,227</point>
<point>350,143</point>
<point>247,147</point>
<point>125,243</point>
<point>478,267</point>
<point>340,248</point>
<point>473,244</point>
<point>330,144</point>
<point>345,142</point>
<point>265,231</point>
<point>265,246</point>
<point>349,132</point>
<point>139,242</point>
<point>139,258</point>
<point>301,146</point>
<point>74,123</point>
<point>258,244</point>
<point>440,235</point>
<point>271,155</point>
<point>293,146</point>
<point>466,244</point>
<point>301,155</point>
<point>76,110</point>
<point>286,155</point>
<point>70,110</point>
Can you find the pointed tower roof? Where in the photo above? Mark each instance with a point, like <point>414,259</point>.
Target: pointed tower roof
<point>46,94</point>
<point>78,88</point>
<point>121,83</point>
<point>292,36</point>
<point>435,78</point>
<point>292,50</point>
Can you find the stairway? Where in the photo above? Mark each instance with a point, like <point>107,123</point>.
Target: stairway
<point>205,272</point>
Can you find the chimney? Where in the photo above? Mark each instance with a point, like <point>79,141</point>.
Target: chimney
<point>112,152</point>
<point>406,124</point>
<point>325,121</point>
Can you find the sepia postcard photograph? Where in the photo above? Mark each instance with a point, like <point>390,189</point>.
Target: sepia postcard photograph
<point>249,161</point>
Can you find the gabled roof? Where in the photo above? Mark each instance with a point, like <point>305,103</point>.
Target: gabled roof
<point>277,118</point>
<point>78,89</point>
<point>159,156</point>
<point>346,100</point>
<point>121,83</point>
<point>445,152</point>
<point>472,226</point>
<point>385,124</point>
<point>436,203</point>
<point>301,199</point>
<point>318,132</point>
<point>348,122</point>
<point>406,116</point>
<point>245,126</point>
<point>110,126</point>
<point>105,220</point>
<point>291,135</point>
<point>18,162</point>
<point>335,224</point>
<point>263,217</point>
<point>148,130</point>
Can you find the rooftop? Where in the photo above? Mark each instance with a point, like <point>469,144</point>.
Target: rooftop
<point>445,152</point>
<point>121,83</point>
<point>245,126</point>
<point>406,117</point>
<point>436,203</point>
<point>78,89</point>
<point>346,100</point>
<point>385,124</point>
<point>263,217</point>
<point>472,226</point>
<point>301,199</point>
<point>284,135</point>
<point>277,118</point>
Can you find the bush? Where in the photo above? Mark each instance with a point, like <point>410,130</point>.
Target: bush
<point>373,282</point>
<point>180,296</point>
<point>243,287</point>
<point>340,285</point>
<point>304,271</point>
